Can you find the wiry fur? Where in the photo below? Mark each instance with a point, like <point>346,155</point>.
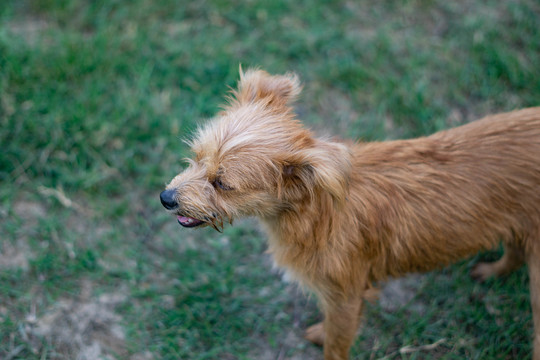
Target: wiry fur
<point>341,216</point>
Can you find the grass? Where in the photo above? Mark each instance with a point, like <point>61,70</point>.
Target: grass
<point>95,98</point>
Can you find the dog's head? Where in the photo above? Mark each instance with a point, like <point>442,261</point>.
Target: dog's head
<point>255,158</point>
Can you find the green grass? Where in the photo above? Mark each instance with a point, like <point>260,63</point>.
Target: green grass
<point>95,99</point>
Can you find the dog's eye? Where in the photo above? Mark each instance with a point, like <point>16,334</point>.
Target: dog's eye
<point>217,183</point>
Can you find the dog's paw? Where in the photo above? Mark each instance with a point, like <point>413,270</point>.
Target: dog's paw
<point>482,271</point>
<point>372,295</point>
<point>315,334</point>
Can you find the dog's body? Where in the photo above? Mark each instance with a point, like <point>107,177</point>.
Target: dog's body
<point>341,216</point>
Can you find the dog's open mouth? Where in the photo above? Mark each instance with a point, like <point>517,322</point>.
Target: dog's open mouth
<point>188,221</point>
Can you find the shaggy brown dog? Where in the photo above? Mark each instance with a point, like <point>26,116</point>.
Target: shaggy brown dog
<point>341,215</point>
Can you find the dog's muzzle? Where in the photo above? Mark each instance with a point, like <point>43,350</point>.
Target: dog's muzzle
<point>168,200</point>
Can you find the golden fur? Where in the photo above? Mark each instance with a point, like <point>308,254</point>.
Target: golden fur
<point>341,215</point>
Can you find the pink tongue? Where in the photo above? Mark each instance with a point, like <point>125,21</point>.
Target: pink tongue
<point>184,219</point>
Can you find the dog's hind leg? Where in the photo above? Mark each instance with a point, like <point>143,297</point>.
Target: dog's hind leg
<point>512,259</point>
<point>533,261</point>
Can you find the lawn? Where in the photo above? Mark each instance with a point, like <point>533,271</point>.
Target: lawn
<point>96,98</point>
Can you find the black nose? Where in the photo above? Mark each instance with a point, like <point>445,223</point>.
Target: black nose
<point>167,199</point>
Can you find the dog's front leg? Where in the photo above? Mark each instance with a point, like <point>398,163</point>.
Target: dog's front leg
<point>341,321</point>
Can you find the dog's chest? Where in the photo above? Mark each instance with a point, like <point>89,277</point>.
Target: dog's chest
<point>291,261</point>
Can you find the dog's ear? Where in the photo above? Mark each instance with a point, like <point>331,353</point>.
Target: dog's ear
<point>325,166</point>
<point>257,85</point>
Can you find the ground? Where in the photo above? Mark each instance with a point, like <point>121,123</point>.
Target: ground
<point>96,99</point>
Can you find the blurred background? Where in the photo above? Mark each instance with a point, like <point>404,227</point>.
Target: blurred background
<point>95,100</point>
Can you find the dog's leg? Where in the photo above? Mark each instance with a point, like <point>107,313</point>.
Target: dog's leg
<point>533,261</point>
<point>511,260</point>
<point>340,325</point>
<point>338,330</point>
<point>315,333</point>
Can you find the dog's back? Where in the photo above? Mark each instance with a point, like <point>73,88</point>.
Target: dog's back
<point>431,201</point>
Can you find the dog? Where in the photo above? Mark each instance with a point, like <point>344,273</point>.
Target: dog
<point>342,215</point>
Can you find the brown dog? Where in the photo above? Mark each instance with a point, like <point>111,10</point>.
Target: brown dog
<point>341,215</point>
